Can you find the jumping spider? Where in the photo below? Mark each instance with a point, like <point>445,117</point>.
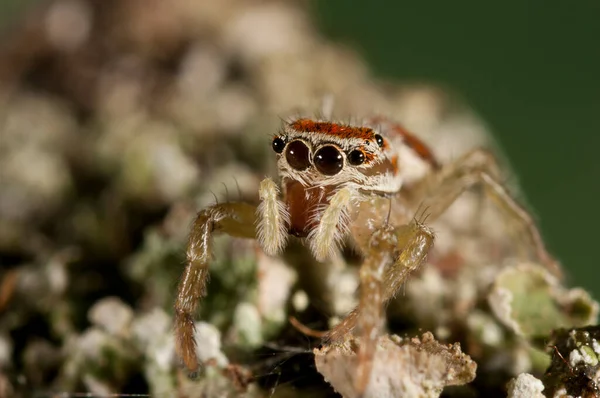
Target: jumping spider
<point>347,184</point>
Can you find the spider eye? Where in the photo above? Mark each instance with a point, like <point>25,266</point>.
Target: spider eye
<point>297,155</point>
<point>278,144</point>
<point>329,160</point>
<point>356,157</point>
<point>379,140</point>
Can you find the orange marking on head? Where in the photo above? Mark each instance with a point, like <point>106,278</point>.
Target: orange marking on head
<point>386,145</point>
<point>394,161</point>
<point>417,145</point>
<point>414,143</point>
<point>335,129</point>
<point>369,156</point>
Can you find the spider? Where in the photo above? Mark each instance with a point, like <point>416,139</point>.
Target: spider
<point>348,184</point>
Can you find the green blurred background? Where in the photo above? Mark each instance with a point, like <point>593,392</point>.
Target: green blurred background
<point>531,69</point>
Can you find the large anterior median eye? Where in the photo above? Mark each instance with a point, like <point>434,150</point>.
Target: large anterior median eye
<point>329,160</point>
<point>297,155</point>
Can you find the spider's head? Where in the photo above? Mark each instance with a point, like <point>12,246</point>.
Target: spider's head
<point>326,154</point>
<point>316,158</point>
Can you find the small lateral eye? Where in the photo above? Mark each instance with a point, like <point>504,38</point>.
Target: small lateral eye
<point>329,160</point>
<point>278,144</point>
<point>356,157</point>
<point>379,140</point>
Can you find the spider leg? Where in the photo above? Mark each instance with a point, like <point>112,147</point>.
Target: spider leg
<point>273,218</point>
<point>479,167</point>
<point>332,227</point>
<point>392,255</point>
<point>235,219</point>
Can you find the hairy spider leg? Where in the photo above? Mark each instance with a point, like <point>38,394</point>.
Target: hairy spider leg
<point>380,281</point>
<point>273,218</point>
<point>479,167</point>
<point>325,238</point>
<point>267,223</point>
<point>392,254</point>
<point>234,219</point>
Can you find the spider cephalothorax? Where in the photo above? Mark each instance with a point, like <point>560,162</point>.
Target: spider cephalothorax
<point>332,165</point>
<point>344,183</point>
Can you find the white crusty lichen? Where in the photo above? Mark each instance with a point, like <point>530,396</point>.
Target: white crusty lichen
<point>208,344</point>
<point>247,325</point>
<point>112,315</point>
<point>416,367</point>
<point>276,279</point>
<point>151,332</point>
<point>530,301</point>
<point>575,367</point>
<point>525,386</point>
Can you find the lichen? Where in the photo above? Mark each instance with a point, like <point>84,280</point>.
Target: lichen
<point>402,367</point>
<point>531,302</point>
<point>575,367</point>
<point>525,386</point>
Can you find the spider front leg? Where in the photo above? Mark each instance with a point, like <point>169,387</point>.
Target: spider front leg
<point>479,167</point>
<point>332,226</point>
<point>234,219</point>
<point>391,256</point>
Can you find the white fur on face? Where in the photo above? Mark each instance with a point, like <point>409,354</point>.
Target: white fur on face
<point>352,176</point>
